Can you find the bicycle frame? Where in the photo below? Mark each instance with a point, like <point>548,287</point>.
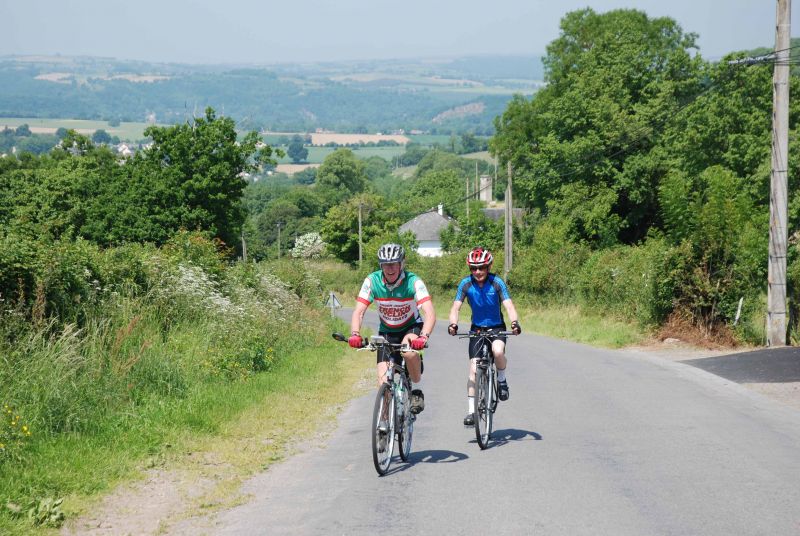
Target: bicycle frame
<point>485,384</point>
<point>392,405</point>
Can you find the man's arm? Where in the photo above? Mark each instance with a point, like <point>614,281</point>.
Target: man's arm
<point>358,316</point>
<point>511,310</point>
<point>428,317</point>
<point>454,311</point>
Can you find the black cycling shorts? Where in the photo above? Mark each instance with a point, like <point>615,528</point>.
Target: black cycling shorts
<point>395,337</point>
<point>476,343</point>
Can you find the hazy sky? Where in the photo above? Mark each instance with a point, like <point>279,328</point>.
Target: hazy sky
<point>264,31</point>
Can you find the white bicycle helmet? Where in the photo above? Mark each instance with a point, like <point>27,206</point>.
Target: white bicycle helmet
<point>391,253</point>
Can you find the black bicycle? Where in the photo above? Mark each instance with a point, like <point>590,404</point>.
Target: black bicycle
<point>485,384</point>
<point>392,418</point>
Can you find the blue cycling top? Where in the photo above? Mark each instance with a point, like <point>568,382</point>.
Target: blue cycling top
<point>484,300</point>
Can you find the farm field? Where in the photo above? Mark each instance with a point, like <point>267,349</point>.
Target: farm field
<point>317,154</point>
<point>125,131</point>
<point>322,138</point>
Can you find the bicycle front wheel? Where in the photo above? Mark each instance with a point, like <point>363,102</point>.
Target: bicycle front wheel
<point>483,407</point>
<point>405,426</point>
<point>383,427</point>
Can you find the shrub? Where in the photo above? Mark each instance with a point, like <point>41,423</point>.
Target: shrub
<point>548,267</point>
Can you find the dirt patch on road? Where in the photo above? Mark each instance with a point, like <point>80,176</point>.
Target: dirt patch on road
<point>675,349</point>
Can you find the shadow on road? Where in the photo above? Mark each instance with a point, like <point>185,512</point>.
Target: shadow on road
<point>437,456</point>
<point>502,437</point>
<point>426,456</point>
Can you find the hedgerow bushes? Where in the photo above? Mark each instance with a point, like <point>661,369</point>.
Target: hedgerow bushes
<point>88,335</point>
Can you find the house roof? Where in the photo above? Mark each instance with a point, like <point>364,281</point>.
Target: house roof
<point>427,226</point>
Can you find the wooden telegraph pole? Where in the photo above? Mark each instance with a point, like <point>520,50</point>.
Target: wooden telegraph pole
<point>776,280</point>
<point>359,235</point>
<point>509,235</point>
<point>279,238</point>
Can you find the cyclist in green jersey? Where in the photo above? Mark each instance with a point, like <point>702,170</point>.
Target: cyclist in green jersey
<point>401,296</point>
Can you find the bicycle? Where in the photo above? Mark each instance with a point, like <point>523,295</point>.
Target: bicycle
<point>485,384</point>
<point>392,418</point>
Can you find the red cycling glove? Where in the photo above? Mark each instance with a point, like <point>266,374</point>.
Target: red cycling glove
<point>355,341</point>
<point>419,342</point>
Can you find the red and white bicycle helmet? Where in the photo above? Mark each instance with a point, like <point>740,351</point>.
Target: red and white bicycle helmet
<point>479,257</point>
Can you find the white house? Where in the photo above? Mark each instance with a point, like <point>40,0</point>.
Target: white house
<point>427,229</point>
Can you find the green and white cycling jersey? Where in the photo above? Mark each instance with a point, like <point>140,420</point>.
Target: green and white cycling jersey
<point>398,304</point>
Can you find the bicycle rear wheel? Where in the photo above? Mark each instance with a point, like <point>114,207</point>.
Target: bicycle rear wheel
<point>483,409</point>
<point>405,432</point>
<point>383,429</point>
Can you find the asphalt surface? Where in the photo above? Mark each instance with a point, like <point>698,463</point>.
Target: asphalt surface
<point>591,442</point>
<point>771,365</point>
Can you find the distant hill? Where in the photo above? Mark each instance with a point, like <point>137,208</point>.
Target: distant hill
<point>364,96</point>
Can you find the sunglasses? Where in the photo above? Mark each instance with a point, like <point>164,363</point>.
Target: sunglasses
<point>477,268</point>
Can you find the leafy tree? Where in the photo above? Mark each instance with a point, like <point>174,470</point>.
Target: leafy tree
<point>101,136</point>
<point>199,165</point>
<point>23,130</point>
<point>413,154</point>
<point>593,130</point>
<point>471,144</point>
<point>340,226</point>
<point>306,176</point>
<point>341,175</point>
<point>436,187</point>
<point>296,150</point>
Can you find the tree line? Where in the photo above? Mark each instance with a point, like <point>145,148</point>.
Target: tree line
<point>643,168</point>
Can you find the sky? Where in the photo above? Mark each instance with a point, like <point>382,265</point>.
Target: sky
<point>268,32</point>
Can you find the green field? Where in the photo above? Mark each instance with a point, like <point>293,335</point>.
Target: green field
<point>125,131</point>
<point>317,154</point>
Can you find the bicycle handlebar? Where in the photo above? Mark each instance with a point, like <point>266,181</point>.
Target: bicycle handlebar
<point>376,341</point>
<point>477,334</point>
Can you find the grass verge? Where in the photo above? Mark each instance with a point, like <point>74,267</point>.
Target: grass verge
<point>579,324</point>
<point>220,432</point>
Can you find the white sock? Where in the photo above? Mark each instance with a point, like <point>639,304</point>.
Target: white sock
<point>471,404</point>
<point>501,375</point>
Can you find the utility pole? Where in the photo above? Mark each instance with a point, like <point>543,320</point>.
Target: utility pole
<point>477,182</point>
<point>279,238</point>
<point>244,248</point>
<point>495,180</point>
<point>466,181</point>
<point>776,280</point>
<point>359,234</point>
<point>509,233</point>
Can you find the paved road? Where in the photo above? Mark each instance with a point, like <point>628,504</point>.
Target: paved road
<point>591,442</point>
<point>770,365</point>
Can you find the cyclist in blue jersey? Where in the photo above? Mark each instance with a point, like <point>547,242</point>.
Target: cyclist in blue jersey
<point>485,292</point>
<point>400,296</point>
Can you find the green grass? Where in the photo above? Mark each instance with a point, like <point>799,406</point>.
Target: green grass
<point>125,131</point>
<point>245,425</point>
<point>317,154</point>
<point>430,139</point>
<point>579,324</point>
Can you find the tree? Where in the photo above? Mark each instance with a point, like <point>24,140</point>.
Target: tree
<point>101,136</point>
<point>306,176</point>
<point>198,166</point>
<point>296,151</point>
<point>340,226</point>
<point>341,175</point>
<point>593,131</point>
<point>23,130</point>
<point>471,144</point>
